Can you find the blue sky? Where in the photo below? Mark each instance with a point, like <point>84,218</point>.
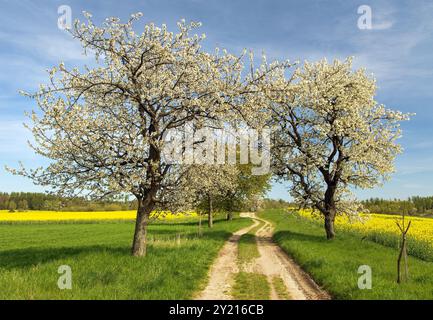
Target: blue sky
<point>398,50</point>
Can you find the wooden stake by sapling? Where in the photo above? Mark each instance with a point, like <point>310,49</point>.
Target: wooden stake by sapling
<point>403,249</point>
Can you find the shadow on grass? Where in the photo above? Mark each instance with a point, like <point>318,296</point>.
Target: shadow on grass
<point>289,235</point>
<point>24,258</point>
<point>249,238</point>
<point>192,223</point>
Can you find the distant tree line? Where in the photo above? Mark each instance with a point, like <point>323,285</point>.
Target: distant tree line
<point>23,201</point>
<point>248,197</point>
<point>277,204</point>
<point>412,206</point>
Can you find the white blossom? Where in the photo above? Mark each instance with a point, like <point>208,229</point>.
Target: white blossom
<point>331,135</point>
<point>102,128</point>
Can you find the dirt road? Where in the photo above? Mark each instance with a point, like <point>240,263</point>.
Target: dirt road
<point>223,269</point>
<point>273,261</point>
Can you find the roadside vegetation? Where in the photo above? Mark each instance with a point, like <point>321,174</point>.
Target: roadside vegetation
<point>334,264</point>
<point>98,253</point>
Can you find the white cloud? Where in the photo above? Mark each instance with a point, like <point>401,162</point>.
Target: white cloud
<point>415,166</point>
<point>60,46</point>
<point>13,137</point>
<point>384,25</point>
<point>19,73</point>
<point>422,145</point>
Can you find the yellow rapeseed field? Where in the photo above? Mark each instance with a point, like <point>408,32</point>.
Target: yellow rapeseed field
<point>421,228</point>
<point>382,228</point>
<point>7,216</point>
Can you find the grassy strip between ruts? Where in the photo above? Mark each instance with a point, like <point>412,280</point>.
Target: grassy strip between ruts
<point>251,286</point>
<point>334,264</point>
<point>280,288</point>
<point>102,267</point>
<point>247,247</point>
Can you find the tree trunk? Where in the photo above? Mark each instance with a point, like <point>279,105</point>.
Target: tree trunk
<point>146,203</point>
<point>210,217</point>
<point>329,225</point>
<point>330,210</point>
<point>230,216</point>
<point>141,223</point>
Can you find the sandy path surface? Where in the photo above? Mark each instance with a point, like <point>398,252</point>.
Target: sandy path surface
<point>273,262</point>
<point>222,271</point>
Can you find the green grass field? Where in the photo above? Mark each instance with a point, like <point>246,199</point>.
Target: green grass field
<point>102,267</point>
<point>334,264</point>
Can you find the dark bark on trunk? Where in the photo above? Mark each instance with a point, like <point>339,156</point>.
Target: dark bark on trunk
<point>148,190</point>
<point>140,242</point>
<point>330,211</point>
<point>210,215</point>
<point>403,253</point>
<point>146,198</point>
<point>329,225</point>
<point>230,216</point>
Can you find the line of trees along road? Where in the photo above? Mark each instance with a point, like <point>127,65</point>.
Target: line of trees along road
<point>104,128</point>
